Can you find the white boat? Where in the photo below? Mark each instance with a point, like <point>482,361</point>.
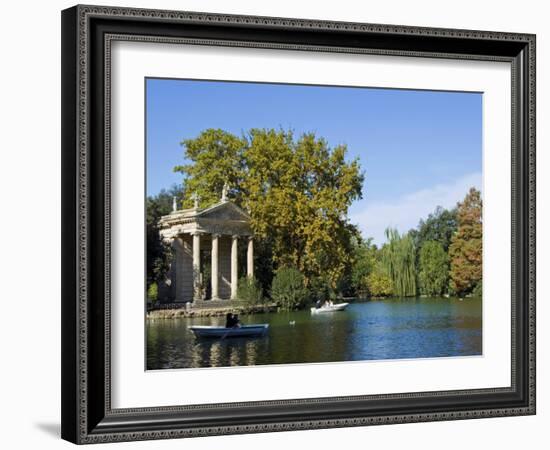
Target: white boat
<point>209,331</point>
<point>331,308</point>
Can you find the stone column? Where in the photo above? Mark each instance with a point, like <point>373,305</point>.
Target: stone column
<point>250,257</point>
<point>215,267</point>
<point>174,294</point>
<point>196,266</point>
<point>177,271</point>
<point>234,269</point>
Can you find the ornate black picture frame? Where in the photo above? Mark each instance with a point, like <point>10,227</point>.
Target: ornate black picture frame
<point>87,33</point>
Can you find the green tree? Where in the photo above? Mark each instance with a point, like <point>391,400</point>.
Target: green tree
<point>152,292</point>
<point>478,289</point>
<point>433,273</point>
<point>157,252</point>
<point>288,289</point>
<point>369,275</point>
<point>465,251</point>
<point>398,257</point>
<point>216,158</point>
<point>249,291</point>
<point>364,263</point>
<point>379,284</point>
<point>297,192</point>
<point>440,226</point>
<point>320,288</point>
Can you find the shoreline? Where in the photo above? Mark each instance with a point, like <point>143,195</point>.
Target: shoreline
<point>205,311</point>
<point>222,310</point>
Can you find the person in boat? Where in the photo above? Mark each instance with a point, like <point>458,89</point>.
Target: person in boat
<point>236,321</point>
<point>318,304</point>
<point>232,320</point>
<point>229,320</point>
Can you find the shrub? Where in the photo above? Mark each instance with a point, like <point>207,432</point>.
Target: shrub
<point>478,289</point>
<point>321,290</point>
<point>153,292</point>
<point>249,291</point>
<point>288,288</point>
<point>379,285</point>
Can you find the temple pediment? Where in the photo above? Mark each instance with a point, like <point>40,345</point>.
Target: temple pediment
<point>225,211</point>
<point>224,218</point>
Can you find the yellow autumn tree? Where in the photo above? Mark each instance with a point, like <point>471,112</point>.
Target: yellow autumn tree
<point>297,192</point>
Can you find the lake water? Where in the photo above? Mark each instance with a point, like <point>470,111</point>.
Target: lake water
<point>366,330</point>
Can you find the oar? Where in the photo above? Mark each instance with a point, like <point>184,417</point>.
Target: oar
<point>223,337</point>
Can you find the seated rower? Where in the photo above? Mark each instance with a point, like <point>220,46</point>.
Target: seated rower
<point>229,320</point>
<point>236,321</point>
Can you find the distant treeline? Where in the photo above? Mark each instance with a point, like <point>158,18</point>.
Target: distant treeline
<point>442,256</point>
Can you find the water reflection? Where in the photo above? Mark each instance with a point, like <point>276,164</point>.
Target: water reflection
<point>367,330</point>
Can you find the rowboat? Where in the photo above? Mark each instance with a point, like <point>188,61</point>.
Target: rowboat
<point>327,309</point>
<point>209,331</point>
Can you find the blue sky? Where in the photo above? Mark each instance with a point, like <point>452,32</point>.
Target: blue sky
<point>418,149</point>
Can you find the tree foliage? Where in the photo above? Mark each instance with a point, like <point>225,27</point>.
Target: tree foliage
<point>152,292</point>
<point>478,289</point>
<point>379,284</point>
<point>297,192</point>
<point>288,289</point>
<point>465,251</point>
<point>158,255</point>
<point>369,276</point>
<point>320,288</point>
<point>439,226</point>
<point>433,271</point>
<point>398,256</point>
<point>365,261</point>
<point>249,291</point>
<point>215,158</point>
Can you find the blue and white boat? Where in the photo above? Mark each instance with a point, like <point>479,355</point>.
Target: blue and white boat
<point>209,331</point>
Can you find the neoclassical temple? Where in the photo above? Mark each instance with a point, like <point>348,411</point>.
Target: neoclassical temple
<point>202,237</point>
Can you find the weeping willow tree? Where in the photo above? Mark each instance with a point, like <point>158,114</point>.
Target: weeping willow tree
<point>398,258</point>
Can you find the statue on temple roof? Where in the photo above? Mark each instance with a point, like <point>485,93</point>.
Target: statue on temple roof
<point>195,198</point>
<point>225,189</point>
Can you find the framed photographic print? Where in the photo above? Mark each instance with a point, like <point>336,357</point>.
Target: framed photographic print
<point>282,224</point>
